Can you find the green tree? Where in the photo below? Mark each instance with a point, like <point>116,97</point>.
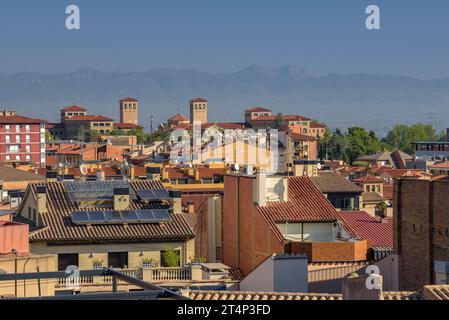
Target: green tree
<point>402,136</point>
<point>170,258</point>
<point>361,143</point>
<point>48,136</point>
<point>279,121</point>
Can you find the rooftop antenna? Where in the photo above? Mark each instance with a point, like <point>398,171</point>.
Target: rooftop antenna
<point>151,122</point>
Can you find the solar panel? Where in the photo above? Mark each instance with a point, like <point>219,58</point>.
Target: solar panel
<point>95,190</point>
<point>120,217</point>
<point>153,195</point>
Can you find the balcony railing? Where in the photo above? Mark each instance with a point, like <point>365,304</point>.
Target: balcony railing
<point>168,274</point>
<point>145,274</point>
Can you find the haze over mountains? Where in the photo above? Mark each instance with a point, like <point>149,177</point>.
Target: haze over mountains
<point>373,101</point>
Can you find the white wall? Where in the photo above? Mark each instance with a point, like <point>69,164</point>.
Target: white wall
<point>284,273</point>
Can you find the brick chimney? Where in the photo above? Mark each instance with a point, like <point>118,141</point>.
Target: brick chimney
<point>121,198</point>
<point>41,199</point>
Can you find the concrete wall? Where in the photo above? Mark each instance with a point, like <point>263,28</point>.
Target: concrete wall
<point>278,274</point>
<point>28,288</point>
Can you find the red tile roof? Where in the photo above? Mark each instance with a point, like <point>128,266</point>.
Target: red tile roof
<point>88,118</point>
<point>317,125</point>
<point>198,200</point>
<point>178,117</point>
<point>301,137</point>
<point>284,117</point>
<point>361,224</point>
<point>20,119</point>
<point>128,99</point>
<point>59,227</point>
<point>73,108</point>
<point>257,109</point>
<point>223,125</point>
<point>305,203</point>
<point>123,125</point>
<point>368,179</point>
<point>198,100</point>
<point>442,165</point>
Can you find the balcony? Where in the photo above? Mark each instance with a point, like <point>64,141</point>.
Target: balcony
<point>154,275</point>
<point>331,251</point>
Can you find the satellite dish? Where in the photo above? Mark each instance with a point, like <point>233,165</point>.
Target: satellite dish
<point>235,167</point>
<point>279,188</point>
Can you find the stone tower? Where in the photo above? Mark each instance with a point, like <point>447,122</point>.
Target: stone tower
<point>198,110</point>
<point>129,110</point>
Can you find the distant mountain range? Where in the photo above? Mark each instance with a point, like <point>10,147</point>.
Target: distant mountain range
<point>373,101</point>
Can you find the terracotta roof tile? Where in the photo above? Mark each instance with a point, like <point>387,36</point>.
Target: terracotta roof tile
<point>305,203</point>
<point>88,118</point>
<point>58,226</point>
<point>20,119</point>
<point>128,99</point>
<point>362,225</point>
<point>330,182</point>
<point>73,108</point>
<point>198,100</point>
<point>257,109</point>
<point>368,179</point>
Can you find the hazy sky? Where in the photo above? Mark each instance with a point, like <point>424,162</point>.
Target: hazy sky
<point>323,36</point>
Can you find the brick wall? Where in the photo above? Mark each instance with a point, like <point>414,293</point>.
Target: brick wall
<point>421,229</point>
<point>247,238</point>
<point>332,251</point>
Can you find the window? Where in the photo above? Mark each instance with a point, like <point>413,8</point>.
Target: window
<point>27,128</point>
<point>17,157</point>
<point>28,148</point>
<point>118,259</point>
<point>7,127</point>
<point>8,138</point>
<point>8,157</point>
<point>67,259</point>
<point>27,138</point>
<point>17,138</point>
<point>17,127</point>
<point>28,157</point>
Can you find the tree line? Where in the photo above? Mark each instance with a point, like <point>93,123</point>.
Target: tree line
<point>357,141</point>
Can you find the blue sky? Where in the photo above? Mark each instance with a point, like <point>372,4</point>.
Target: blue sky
<point>323,36</point>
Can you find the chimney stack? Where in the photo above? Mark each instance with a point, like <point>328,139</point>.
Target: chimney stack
<point>121,198</point>
<point>153,173</point>
<point>305,168</point>
<point>357,286</point>
<point>51,176</point>
<point>41,199</point>
<point>175,200</point>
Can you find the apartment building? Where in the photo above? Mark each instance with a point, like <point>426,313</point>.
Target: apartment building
<point>263,215</point>
<point>22,139</point>
<point>92,224</point>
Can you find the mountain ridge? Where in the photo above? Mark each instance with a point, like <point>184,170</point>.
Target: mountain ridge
<point>341,100</point>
